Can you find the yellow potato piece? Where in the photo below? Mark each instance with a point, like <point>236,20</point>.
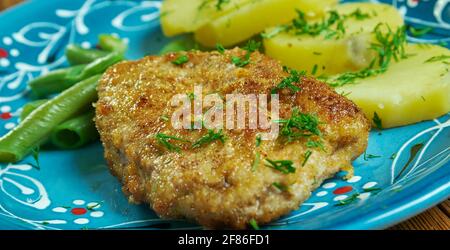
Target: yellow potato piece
<point>351,52</point>
<point>253,17</point>
<point>183,16</point>
<point>411,91</point>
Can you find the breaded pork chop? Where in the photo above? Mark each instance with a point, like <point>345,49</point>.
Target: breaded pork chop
<point>218,184</point>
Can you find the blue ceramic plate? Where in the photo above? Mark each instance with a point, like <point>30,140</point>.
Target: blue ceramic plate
<point>74,190</point>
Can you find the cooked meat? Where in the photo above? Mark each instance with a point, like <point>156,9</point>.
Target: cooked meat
<point>216,184</point>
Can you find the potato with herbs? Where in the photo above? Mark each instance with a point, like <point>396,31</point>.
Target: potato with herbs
<point>181,16</point>
<point>411,90</point>
<point>232,21</point>
<point>338,43</point>
<point>252,18</point>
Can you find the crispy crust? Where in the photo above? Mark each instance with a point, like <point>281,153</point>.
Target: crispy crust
<point>214,185</point>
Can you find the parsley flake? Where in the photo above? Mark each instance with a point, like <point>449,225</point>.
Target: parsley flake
<point>438,58</point>
<point>300,125</point>
<point>280,186</point>
<point>220,48</point>
<point>250,47</point>
<point>255,162</point>
<point>370,156</point>
<point>180,60</point>
<point>253,224</point>
<point>419,32</point>
<point>284,166</point>
<point>377,121</point>
<point>220,3</point>
<point>210,137</point>
<point>163,139</point>
<point>288,82</point>
<point>308,153</point>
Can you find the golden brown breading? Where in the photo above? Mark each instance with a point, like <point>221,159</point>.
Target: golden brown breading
<point>214,185</point>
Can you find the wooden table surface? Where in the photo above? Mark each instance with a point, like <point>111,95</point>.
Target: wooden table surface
<point>436,218</point>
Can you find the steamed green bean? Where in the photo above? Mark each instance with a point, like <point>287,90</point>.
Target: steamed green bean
<point>16,144</point>
<point>59,80</point>
<point>111,43</point>
<point>55,81</point>
<point>101,65</point>
<point>77,55</point>
<point>30,107</point>
<point>75,132</point>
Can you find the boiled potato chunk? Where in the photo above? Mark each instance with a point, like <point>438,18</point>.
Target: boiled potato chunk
<point>183,16</point>
<point>252,18</point>
<point>350,52</point>
<point>412,90</point>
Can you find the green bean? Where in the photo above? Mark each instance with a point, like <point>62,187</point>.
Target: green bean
<point>77,55</point>
<point>101,65</point>
<point>16,144</point>
<point>75,132</point>
<point>30,107</point>
<point>111,43</point>
<point>59,80</point>
<point>55,81</point>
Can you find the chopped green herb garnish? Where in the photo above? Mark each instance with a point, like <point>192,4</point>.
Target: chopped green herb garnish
<point>275,31</point>
<point>220,3</point>
<point>314,69</point>
<point>418,32</point>
<point>317,53</point>
<point>164,118</point>
<point>370,156</point>
<point>332,27</point>
<point>438,58</point>
<point>393,156</point>
<point>300,125</point>
<point>255,162</point>
<point>191,96</point>
<point>182,59</point>
<point>164,139</point>
<point>359,15</point>
<point>92,207</point>
<point>377,121</point>
<point>315,144</point>
<point>220,48</point>
<point>240,62</point>
<point>353,198</point>
<point>388,46</point>
<point>253,224</point>
<point>258,140</point>
<point>280,186</point>
<point>288,82</point>
<point>203,4</point>
<point>210,137</point>
<point>308,153</point>
<point>250,47</point>
<point>372,190</point>
<point>351,77</point>
<point>284,166</point>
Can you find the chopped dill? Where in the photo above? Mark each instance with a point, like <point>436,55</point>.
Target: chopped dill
<point>209,138</point>
<point>284,166</point>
